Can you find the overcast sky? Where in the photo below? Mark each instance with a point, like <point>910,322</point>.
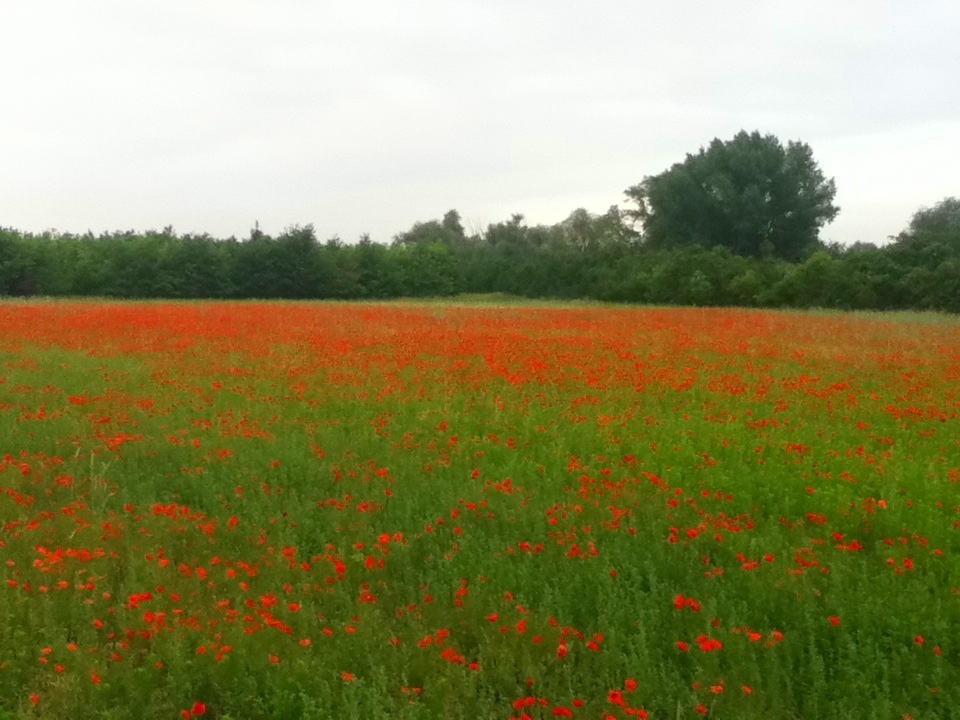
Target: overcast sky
<point>366,116</point>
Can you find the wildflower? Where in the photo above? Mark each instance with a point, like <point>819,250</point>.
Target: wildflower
<point>615,697</point>
<point>708,644</point>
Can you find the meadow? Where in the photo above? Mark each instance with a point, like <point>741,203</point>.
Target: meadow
<point>310,510</point>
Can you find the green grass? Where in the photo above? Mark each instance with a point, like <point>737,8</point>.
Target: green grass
<point>336,510</point>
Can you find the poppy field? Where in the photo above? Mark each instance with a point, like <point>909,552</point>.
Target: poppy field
<point>308,510</point>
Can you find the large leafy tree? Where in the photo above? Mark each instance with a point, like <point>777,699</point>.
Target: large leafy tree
<point>750,195</point>
<point>449,231</point>
<point>939,225</point>
<point>928,251</point>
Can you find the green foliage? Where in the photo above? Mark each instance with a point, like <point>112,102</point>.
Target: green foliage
<point>583,256</point>
<point>447,232</point>
<point>749,194</point>
<point>584,231</point>
<point>424,270</point>
<point>12,257</point>
<point>941,223</point>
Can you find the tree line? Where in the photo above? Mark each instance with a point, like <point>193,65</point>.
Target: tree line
<point>735,224</point>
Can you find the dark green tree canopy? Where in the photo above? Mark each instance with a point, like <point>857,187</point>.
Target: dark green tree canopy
<point>940,223</point>
<point>449,231</point>
<point>750,195</point>
<point>932,240</point>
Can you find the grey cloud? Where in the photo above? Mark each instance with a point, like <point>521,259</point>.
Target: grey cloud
<point>367,116</point>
